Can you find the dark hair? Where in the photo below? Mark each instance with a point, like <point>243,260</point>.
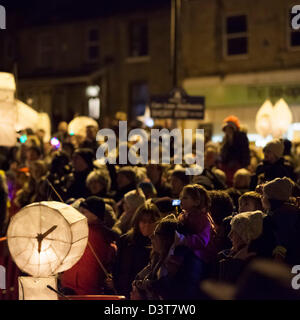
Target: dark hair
<point>221,205</point>
<point>252,196</point>
<point>129,173</point>
<point>35,149</point>
<point>60,160</point>
<point>181,175</point>
<point>148,209</point>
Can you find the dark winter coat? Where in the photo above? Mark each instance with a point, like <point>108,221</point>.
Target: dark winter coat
<point>122,191</point>
<point>236,152</point>
<point>78,188</point>
<point>285,222</point>
<point>279,169</point>
<point>132,256</point>
<point>179,284</point>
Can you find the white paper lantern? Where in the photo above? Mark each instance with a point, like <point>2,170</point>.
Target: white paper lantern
<point>281,119</point>
<point>46,238</point>
<point>31,288</point>
<point>27,117</point>
<point>8,136</point>
<point>78,125</point>
<point>264,118</point>
<point>7,87</point>
<point>44,123</point>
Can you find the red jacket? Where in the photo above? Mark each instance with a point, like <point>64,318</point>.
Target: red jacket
<point>86,277</point>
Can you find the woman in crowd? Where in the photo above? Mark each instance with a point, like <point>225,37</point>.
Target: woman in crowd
<point>245,227</point>
<point>235,152</point>
<point>132,200</point>
<point>98,183</point>
<point>173,272</point>
<point>134,248</point>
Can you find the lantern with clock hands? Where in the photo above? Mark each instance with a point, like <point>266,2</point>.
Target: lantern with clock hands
<point>44,239</point>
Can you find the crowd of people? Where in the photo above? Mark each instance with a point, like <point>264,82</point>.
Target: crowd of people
<point>234,234</point>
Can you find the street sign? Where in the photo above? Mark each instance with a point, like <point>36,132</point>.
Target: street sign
<point>177,105</point>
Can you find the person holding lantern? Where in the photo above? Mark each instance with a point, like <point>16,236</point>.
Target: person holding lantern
<point>88,275</point>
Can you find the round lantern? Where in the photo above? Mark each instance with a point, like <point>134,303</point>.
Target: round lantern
<point>46,238</point>
<point>78,125</point>
<point>264,119</point>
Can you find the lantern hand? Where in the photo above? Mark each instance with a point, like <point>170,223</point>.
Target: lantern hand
<point>40,237</point>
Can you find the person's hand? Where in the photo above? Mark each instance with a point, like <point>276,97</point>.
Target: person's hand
<point>109,283</point>
<point>182,217</point>
<point>179,239</point>
<point>298,202</point>
<point>278,258</point>
<point>259,188</point>
<point>134,294</point>
<point>244,254</point>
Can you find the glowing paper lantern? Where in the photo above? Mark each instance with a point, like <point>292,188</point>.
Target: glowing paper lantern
<point>7,87</point>
<point>281,118</point>
<point>78,125</point>
<point>264,118</point>
<point>27,117</point>
<point>8,136</point>
<point>31,288</point>
<point>46,238</point>
<point>45,124</point>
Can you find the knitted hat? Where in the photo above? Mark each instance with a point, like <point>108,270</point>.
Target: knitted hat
<point>135,198</point>
<point>231,121</point>
<point>276,146</point>
<point>95,205</point>
<point>279,189</point>
<point>248,225</point>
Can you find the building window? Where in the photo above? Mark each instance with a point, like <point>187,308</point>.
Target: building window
<point>46,51</point>
<point>93,45</point>
<point>138,39</point>
<point>294,35</point>
<point>236,35</point>
<point>139,96</point>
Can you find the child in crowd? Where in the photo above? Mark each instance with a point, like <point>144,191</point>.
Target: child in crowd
<point>197,229</point>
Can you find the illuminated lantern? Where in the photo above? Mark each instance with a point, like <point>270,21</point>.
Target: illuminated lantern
<point>27,117</point>
<point>264,118</point>
<point>46,238</point>
<point>45,124</point>
<point>36,288</point>
<point>78,125</point>
<point>8,111</point>
<point>281,118</point>
<point>7,87</point>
